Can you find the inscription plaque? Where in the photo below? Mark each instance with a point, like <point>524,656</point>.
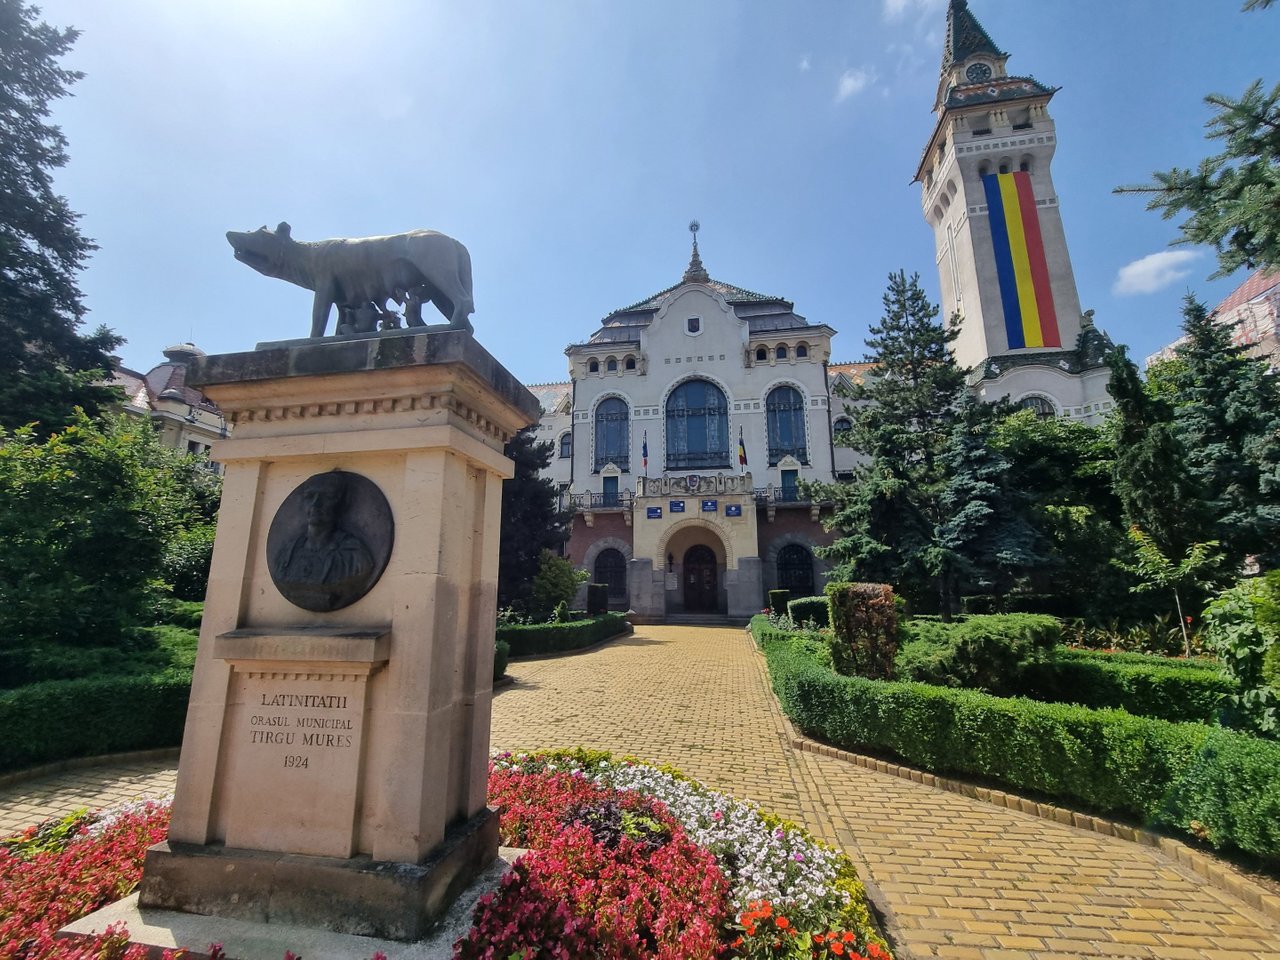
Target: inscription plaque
<point>330,541</point>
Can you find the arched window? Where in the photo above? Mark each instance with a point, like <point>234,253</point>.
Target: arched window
<point>842,424</point>
<point>613,434</point>
<point>785,412</point>
<point>697,426</point>
<point>630,363</point>
<point>795,570</point>
<point>611,569</point>
<point>593,365</point>
<point>802,352</point>
<point>762,354</point>
<point>1042,406</point>
<point>611,364</point>
<point>781,352</point>
<point>566,446</point>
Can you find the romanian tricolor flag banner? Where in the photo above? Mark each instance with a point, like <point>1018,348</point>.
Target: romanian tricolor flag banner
<point>1029,316</point>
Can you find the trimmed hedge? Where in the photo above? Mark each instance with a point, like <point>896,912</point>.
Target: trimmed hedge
<point>804,609</point>
<point>1152,771</point>
<point>597,599</point>
<point>501,656</point>
<point>1148,686</point>
<point>778,600</point>
<point>986,652</point>
<point>532,638</point>
<point>60,719</point>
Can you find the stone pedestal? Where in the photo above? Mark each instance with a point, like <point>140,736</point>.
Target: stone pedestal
<point>339,755</point>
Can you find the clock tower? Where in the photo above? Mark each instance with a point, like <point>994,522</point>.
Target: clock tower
<point>1002,257</point>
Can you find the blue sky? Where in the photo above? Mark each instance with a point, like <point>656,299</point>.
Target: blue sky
<point>569,143</point>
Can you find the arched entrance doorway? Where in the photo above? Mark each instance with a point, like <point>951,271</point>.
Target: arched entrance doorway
<point>701,589</point>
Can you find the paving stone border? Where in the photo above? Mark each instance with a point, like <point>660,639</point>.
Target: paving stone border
<point>82,763</point>
<point>1217,873</point>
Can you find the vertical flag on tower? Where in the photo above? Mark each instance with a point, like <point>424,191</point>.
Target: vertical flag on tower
<point>644,452</point>
<point>742,451</point>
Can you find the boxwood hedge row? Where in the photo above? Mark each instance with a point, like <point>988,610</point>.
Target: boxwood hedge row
<point>1166,691</point>
<point>1213,783</point>
<point>61,719</point>
<point>534,638</point>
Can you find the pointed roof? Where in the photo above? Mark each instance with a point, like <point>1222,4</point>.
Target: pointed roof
<point>696,272</point>
<point>965,36</point>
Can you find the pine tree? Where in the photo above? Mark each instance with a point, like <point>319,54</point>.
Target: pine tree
<point>1233,197</point>
<point>986,540</point>
<point>902,419</point>
<point>531,519</point>
<point>1152,478</point>
<point>1227,417</point>
<point>46,367</point>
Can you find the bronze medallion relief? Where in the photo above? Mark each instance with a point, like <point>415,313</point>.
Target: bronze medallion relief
<point>330,541</point>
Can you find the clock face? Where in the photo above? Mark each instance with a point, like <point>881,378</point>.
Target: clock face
<point>978,72</point>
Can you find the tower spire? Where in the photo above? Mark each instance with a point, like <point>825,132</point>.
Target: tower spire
<point>696,272</point>
<point>965,36</point>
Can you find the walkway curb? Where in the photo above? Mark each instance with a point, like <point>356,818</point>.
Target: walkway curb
<point>1218,874</point>
<point>81,763</point>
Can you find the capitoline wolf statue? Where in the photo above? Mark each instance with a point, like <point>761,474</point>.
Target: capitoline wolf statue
<point>360,275</point>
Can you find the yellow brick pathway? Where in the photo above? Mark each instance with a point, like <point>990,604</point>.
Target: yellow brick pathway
<point>28,802</point>
<point>964,879</point>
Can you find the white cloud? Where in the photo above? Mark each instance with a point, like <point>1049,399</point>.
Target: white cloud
<point>897,9</point>
<point>1153,272</point>
<point>804,62</point>
<point>853,81</point>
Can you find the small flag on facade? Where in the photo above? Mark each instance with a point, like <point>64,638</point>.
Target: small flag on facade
<point>644,452</point>
<point>742,450</point>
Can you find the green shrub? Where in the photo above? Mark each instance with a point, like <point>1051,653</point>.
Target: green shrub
<point>533,638</point>
<point>805,609</point>
<point>186,561</point>
<point>60,719</point>
<point>865,619</point>
<point>597,599</point>
<point>562,612</point>
<point>556,582</point>
<point>1149,686</point>
<point>1242,626</point>
<point>778,600</point>
<point>1108,761</point>
<point>501,656</point>
<point>150,650</point>
<point>988,653</point>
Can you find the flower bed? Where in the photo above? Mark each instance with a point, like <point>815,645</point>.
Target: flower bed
<point>626,861</point>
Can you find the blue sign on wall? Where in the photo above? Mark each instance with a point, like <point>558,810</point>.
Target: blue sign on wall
<point>733,509</point>
<point>710,506</point>
<point>654,513</point>
<point>677,506</point>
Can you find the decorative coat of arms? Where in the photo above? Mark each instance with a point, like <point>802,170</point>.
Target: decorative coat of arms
<point>692,481</point>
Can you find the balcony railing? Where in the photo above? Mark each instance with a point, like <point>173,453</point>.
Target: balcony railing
<point>766,495</point>
<point>599,501</point>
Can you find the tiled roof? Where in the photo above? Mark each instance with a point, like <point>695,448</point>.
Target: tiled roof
<point>1259,283</point>
<point>965,36</point>
<point>995,91</point>
<point>731,294</point>
<point>856,372</point>
<point>550,395</point>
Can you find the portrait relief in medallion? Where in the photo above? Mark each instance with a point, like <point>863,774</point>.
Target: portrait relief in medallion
<point>330,541</point>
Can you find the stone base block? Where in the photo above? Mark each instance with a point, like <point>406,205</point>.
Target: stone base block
<point>359,896</point>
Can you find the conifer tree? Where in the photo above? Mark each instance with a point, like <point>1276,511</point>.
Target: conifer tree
<point>532,520</point>
<point>1152,478</point>
<point>902,418</point>
<point>986,540</point>
<point>1233,197</point>
<point>46,367</point>
<point>1228,420</point>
